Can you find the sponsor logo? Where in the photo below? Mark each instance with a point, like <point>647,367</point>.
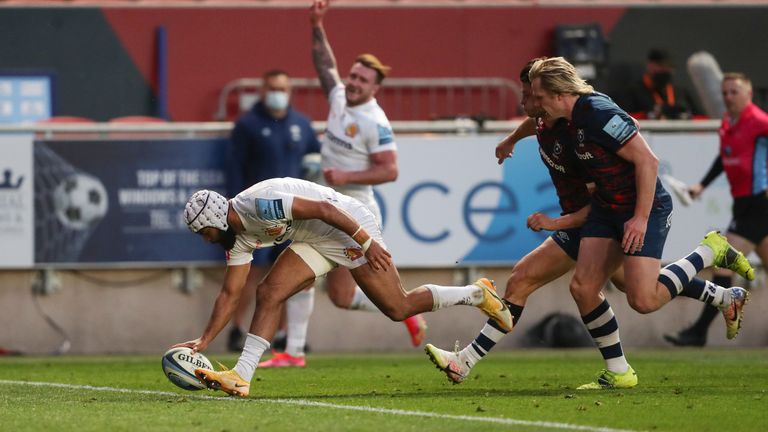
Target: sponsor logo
<point>562,235</point>
<point>618,129</point>
<point>336,140</point>
<point>193,360</point>
<point>669,220</point>
<point>8,181</point>
<point>584,156</point>
<point>385,135</point>
<point>351,130</point>
<point>580,136</point>
<point>557,149</point>
<point>353,253</point>
<point>550,162</point>
<point>727,150</point>
<point>275,230</point>
<point>295,131</point>
<point>265,132</point>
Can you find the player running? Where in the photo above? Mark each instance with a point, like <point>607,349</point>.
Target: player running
<point>555,257</point>
<point>327,230</point>
<point>631,213</point>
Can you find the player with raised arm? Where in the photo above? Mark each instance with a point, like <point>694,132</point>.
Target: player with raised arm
<point>327,230</point>
<point>358,151</point>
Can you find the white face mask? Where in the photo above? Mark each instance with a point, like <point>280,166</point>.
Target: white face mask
<point>276,100</point>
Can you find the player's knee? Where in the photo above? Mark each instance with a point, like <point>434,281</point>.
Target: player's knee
<point>268,295</point>
<point>642,304</point>
<point>395,312</point>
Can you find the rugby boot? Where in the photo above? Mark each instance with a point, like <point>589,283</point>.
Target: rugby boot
<point>612,380</point>
<point>726,256</point>
<point>226,380</point>
<point>493,306</point>
<point>449,362</point>
<point>417,328</point>
<point>734,311</point>
<point>283,360</point>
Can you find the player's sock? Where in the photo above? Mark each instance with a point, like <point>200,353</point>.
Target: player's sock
<point>361,302</point>
<point>489,336</point>
<point>707,292</point>
<point>445,296</point>
<point>677,275</point>
<point>604,329</point>
<point>298,309</point>
<point>249,359</point>
<point>709,313</point>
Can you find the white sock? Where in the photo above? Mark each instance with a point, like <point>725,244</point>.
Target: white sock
<point>361,302</point>
<point>707,256</point>
<point>298,309</point>
<point>249,359</point>
<point>445,296</point>
<point>716,295</point>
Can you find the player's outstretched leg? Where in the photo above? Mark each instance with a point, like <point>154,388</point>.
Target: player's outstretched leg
<point>449,362</point>
<point>726,256</point>
<point>226,380</point>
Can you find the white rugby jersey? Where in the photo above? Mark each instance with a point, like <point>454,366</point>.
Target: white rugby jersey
<point>352,134</point>
<point>265,210</point>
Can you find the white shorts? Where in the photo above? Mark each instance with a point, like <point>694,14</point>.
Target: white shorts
<point>323,254</point>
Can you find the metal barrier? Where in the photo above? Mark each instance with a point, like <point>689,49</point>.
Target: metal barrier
<point>403,98</point>
<point>207,129</point>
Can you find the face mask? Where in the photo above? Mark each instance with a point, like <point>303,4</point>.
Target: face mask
<point>276,100</point>
<point>661,79</point>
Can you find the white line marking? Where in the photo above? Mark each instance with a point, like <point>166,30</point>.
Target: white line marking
<point>302,402</point>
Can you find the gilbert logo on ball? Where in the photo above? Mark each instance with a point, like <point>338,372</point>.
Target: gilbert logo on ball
<point>179,366</point>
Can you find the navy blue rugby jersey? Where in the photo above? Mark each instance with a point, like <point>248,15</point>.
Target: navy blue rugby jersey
<point>599,129</point>
<point>567,175</point>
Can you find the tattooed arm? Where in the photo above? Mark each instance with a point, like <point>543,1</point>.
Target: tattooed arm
<point>322,55</point>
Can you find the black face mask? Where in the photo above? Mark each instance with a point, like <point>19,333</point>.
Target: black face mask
<point>661,79</point>
<point>227,239</point>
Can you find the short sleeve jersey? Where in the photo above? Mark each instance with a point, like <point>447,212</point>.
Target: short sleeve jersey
<point>744,152</point>
<point>567,175</point>
<point>352,135</point>
<point>265,210</point>
<point>599,129</point>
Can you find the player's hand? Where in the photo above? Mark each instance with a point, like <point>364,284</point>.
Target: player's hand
<point>196,345</point>
<point>695,190</point>
<point>539,221</point>
<point>505,149</point>
<point>634,234</point>
<point>335,177</point>
<point>378,257</point>
<point>317,11</point>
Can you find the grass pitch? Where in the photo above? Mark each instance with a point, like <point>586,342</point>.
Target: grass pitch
<point>679,390</point>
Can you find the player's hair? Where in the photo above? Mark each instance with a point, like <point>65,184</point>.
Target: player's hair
<point>738,76</point>
<point>273,73</point>
<point>372,62</point>
<point>559,77</point>
<point>527,68</point>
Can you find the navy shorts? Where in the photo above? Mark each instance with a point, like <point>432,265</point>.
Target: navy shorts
<point>605,223</point>
<point>266,256</point>
<point>568,240</point>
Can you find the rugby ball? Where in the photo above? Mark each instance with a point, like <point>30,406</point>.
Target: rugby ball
<point>179,366</point>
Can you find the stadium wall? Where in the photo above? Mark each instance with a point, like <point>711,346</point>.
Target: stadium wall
<point>146,317</point>
<point>105,59</point>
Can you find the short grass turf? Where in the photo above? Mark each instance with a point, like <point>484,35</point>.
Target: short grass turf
<point>679,390</point>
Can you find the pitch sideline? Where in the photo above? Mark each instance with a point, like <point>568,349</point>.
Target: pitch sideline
<point>301,402</point>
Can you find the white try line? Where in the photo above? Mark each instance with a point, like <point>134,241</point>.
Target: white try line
<point>302,402</point>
